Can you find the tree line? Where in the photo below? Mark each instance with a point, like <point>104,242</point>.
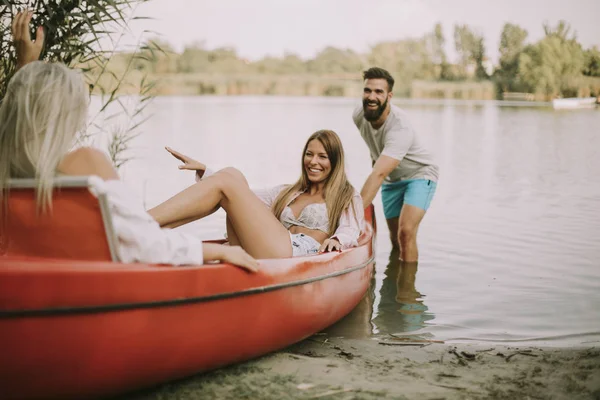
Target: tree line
<point>556,65</point>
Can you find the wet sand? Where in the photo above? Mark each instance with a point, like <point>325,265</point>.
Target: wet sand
<point>335,368</point>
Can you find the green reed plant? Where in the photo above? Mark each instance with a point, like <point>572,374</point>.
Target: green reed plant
<point>86,34</point>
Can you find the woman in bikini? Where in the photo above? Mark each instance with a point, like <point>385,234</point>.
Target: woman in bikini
<point>320,212</point>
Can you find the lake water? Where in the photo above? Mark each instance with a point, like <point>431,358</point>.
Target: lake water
<point>510,248</point>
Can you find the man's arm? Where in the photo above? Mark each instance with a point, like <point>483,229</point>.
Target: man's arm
<point>382,168</point>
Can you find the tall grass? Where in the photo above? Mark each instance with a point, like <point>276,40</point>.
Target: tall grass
<point>86,34</point>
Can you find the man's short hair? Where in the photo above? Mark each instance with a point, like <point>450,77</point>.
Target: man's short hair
<point>379,73</point>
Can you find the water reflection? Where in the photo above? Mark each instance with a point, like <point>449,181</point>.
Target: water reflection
<point>401,308</point>
<point>357,324</point>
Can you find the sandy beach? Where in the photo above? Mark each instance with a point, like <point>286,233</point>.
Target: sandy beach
<point>323,367</point>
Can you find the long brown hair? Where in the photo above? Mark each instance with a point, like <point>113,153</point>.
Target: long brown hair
<point>338,191</point>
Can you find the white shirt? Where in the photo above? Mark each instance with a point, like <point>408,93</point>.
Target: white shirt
<point>139,237</point>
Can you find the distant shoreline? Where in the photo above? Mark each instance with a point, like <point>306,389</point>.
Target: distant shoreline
<point>290,85</point>
<point>407,101</point>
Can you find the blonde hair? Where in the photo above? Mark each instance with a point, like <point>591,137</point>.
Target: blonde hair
<point>338,191</point>
<point>44,108</point>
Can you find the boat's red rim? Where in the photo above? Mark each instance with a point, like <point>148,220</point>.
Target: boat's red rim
<point>53,311</point>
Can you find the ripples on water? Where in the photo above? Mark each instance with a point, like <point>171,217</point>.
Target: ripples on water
<point>510,249</point>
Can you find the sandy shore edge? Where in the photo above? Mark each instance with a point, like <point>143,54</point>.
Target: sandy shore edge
<point>338,368</point>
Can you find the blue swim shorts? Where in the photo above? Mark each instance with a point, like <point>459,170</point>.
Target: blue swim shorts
<point>416,192</point>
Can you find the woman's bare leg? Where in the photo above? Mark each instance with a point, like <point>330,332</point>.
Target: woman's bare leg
<point>232,237</point>
<point>179,223</point>
<point>255,226</point>
<point>203,198</point>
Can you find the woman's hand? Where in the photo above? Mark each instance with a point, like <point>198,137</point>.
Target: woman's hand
<point>188,163</point>
<point>230,254</point>
<point>26,49</point>
<point>237,256</point>
<point>330,244</point>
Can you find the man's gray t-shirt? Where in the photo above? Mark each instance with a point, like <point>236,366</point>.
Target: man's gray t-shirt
<point>397,139</point>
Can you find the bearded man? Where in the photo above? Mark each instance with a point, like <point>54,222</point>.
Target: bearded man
<point>403,168</point>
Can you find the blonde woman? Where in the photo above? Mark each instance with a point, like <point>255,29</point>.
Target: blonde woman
<point>320,212</point>
<point>44,108</point>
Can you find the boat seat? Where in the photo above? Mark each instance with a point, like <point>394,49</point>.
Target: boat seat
<point>78,227</point>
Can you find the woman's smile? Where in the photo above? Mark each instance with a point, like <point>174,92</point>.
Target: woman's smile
<point>316,162</point>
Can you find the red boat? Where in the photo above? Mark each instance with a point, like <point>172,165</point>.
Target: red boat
<point>76,323</point>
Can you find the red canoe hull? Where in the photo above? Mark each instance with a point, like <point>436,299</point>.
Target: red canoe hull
<point>89,329</point>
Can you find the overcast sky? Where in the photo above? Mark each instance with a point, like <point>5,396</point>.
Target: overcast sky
<point>271,27</point>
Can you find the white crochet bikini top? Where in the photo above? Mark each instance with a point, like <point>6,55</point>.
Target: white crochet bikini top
<point>313,216</point>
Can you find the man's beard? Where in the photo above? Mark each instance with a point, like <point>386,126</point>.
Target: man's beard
<point>373,115</point>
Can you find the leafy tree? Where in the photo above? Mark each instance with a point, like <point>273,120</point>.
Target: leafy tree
<point>293,64</point>
<point>290,64</point>
<point>407,60</point>
<point>561,31</point>
<point>436,42</point>
<point>471,49</point>
<point>193,59</point>
<point>225,60</point>
<point>333,60</point>
<point>592,62</point>
<point>552,65</point>
<point>512,43</point>
<point>269,65</point>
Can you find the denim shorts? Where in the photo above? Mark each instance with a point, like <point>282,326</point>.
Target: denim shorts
<point>303,245</point>
<point>416,192</point>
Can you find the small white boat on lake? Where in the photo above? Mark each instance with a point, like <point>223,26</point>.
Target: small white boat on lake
<point>575,102</point>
